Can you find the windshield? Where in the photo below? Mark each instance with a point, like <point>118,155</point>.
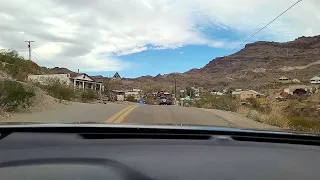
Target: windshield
<point>249,65</point>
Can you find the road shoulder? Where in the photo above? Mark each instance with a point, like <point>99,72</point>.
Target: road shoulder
<point>240,121</point>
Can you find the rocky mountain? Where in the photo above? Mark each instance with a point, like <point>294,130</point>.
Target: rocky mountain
<point>254,66</point>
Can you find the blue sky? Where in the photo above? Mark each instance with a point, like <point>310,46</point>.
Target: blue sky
<point>153,62</point>
<point>181,59</point>
<point>146,37</point>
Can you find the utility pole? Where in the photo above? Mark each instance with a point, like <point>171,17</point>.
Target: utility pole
<point>175,88</point>
<point>29,47</point>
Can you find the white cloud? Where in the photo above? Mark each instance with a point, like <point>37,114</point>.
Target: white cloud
<point>90,36</point>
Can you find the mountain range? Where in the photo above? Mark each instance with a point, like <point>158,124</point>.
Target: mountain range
<point>254,66</point>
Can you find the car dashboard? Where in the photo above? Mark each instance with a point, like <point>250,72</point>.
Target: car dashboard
<point>111,154</point>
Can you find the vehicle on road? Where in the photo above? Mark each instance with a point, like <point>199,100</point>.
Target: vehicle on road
<point>165,101</point>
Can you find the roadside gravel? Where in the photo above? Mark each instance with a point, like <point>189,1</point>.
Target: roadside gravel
<point>240,121</point>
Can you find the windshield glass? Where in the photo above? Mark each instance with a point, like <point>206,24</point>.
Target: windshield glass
<point>252,64</point>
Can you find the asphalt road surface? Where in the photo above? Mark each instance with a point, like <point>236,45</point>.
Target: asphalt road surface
<point>133,114</point>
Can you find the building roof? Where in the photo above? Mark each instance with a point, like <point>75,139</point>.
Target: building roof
<point>236,92</point>
<point>255,92</point>
<point>118,91</point>
<point>94,78</point>
<point>296,80</point>
<point>283,77</point>
<point>116,75</point>
<point>97,78</point>
<point>315,78</point>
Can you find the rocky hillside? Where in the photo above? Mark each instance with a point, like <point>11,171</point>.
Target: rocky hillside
<point>254,66</point>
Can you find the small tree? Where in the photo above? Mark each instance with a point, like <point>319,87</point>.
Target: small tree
<point>131,98</point>
<point>190,92</point>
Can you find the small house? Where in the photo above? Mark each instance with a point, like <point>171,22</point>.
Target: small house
<point>315,80</point>
<point>251,94</point>
<point>283,79</point>
<point>291,89</point>
<point>236,92</point>
<point>119,94</point>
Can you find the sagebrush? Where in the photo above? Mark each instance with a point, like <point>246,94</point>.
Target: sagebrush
<point>60,91</point>
<point>224,102</point>
<point>88,95</point>
<point>14,95</point>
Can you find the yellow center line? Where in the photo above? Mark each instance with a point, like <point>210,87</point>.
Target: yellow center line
<point>125,114</point>
<point>115,116</point>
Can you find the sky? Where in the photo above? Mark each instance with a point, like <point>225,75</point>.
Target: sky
<point>146,37</point>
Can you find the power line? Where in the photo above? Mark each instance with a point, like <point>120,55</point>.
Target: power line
<point>43,59</point>
<point>266,25</point>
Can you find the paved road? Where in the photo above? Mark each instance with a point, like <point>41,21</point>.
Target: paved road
<point>145,114</point>
<point>137,114</point>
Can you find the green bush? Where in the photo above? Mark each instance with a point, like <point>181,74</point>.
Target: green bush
<point>88,95</point>
<point>131,98</point>
<point>60,91</point>
<point>210,101</point>
<point>14,95</point>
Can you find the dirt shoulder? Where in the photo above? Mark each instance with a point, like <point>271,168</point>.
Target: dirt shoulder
<point>240,121</point>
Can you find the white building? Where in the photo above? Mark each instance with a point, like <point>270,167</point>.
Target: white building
<point>284,79</point>
<point>315,80</point>
<point>80,81</point>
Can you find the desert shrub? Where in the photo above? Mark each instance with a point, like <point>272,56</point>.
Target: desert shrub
<point>256,105</point>
<point>14,95</point>
<point>88,95</point>
<point>253,114</point>
<point>150,100</point>
<point>210,101</point>
<point>131,98</point>
<point>60,91</point>
<point>300,123</point>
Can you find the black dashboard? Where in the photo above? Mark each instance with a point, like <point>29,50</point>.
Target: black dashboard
<point>51,155</point>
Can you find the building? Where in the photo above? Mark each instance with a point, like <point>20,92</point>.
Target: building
<point>315,80</point>
<point>116,77</point>
<point>251,94</point>
<point>80,81</point>
<point>292,88</point>
<point>296,80</point>
<point>284,79</point>
<point>214,92</point>
<point>120,94</point>
<point>236,92</point>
